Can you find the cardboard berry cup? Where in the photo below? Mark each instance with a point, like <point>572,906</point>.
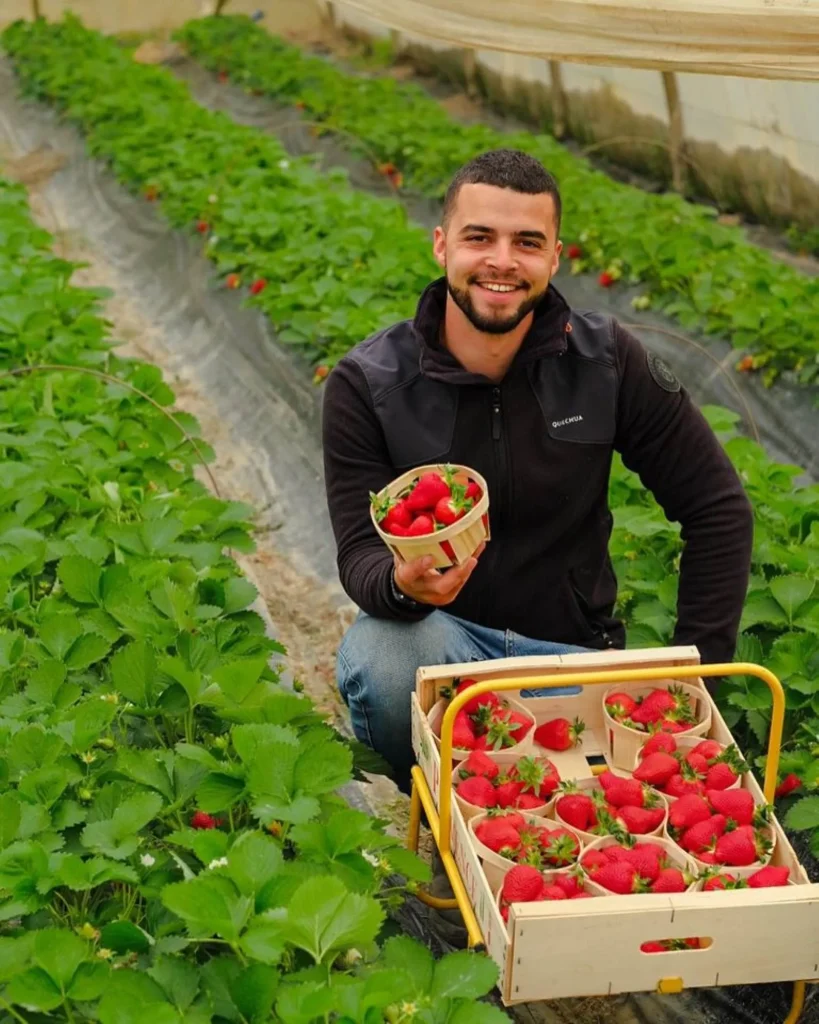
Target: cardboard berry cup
<point>623,742</point>
<point>495,866</point>
<point>590,786</point>
<point>451,545</point>
<point>469,810</point>
<point>499,903</point>
<point>685,744</point>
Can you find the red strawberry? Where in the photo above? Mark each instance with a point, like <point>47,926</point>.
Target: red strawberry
<point>471,707</point>
<point>463,735</point>
<point>574,252</point>
<point>657,769</point>
<point>646,862</point>
<point>522,884</point>
<point>709,749</point>
<point>507,793</point>
<point>570,884</point>
<point>559,733</point>
<point>720,776</point>
<point>450,509</point>
<point>203,821</point>
<point>620,704</point>
<point>478,763</point>
<point>477,791</point>
<point>733,803</point>
<point>688,811</point>
<point>678,786</point>
<point>788,785</point>
<point>427,492</point>
<point>697,762</point>
<point>397,514</point>
<point>639,820</point>
<point>738,848</point>
<point>421,526</point>
<point>674,725</point>
<point>473,492</point>
<point>721,881</point>
<point>258,285</point>
<point>670,880</point>
<point>233,281</point>
<point>621,792</point>
<point>652,947</point>
<point>553,892</point>
<point>605,280</point>
<point>397,530</point>
<point>498,834</point>
<point>708,857</point>
<point>659,742</point>
<point>202,227</point>
<point>576,809</point>
<point>560,847</point>
<point>507,728</point>
<point>593,860</point>
<point>768,877</point>
<point>700,837</point>
<point>528,801</point>
<point>620,877</point>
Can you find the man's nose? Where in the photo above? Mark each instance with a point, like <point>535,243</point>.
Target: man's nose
<point>502,255</point>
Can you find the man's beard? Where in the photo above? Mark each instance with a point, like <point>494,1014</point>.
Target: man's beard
<point>491,324</point>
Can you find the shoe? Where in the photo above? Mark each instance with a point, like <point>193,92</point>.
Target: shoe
<point>448,925</point>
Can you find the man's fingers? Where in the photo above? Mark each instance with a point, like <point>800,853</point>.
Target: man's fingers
<point>409,572</point>
<point>454,578</point>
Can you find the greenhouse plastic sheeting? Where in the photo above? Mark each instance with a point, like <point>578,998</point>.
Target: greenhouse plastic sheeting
<point>752,38</point>
<point>264,393</point>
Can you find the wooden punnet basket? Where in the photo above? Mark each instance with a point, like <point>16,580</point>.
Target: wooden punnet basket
<point>553,950</point>
<point>462,538</point>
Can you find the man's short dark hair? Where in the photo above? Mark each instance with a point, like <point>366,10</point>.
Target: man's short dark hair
<point>504,168</point>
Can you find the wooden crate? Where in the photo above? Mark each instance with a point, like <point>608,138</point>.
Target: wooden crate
<point>555,950</point>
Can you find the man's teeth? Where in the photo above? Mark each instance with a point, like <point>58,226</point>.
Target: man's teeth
<point>500,287</point>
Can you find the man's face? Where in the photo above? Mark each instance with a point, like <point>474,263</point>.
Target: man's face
<point>499,251</point>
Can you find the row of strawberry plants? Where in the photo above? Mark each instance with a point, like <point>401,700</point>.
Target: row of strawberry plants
<point>704,274</point>
<point>157,140</point>
<point>172,844</point>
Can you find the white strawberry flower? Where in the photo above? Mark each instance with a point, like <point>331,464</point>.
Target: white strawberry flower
<point>220,862</point>
<point>284,164</point>
<point>147,860</point>
<point>213,198</point>
<point>370,858</point>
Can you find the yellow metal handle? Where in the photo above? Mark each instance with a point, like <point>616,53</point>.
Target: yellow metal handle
<point>600,678</point>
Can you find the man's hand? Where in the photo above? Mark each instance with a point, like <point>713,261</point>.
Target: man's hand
<point>418,580</point>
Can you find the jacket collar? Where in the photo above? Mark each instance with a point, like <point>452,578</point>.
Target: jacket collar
<point>546,337</point>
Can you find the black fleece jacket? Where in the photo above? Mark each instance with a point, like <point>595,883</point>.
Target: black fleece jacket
<point>580,388</point>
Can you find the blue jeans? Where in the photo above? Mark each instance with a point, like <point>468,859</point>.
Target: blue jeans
<point>377,661</point>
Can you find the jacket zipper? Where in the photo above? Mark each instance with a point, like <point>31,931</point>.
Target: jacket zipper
<point>500,450</point>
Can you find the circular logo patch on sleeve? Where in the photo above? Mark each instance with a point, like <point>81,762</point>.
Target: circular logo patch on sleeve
<point>662,373</point>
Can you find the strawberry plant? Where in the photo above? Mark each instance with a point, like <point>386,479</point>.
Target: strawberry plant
<point>171,840</point>
<point>704,274</point>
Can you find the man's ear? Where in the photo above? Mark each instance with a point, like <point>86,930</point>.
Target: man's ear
<point>556,257</point>
<point>439,246</point>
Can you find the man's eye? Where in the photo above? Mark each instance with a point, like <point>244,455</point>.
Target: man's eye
<point>476,238</point>
<point>532,244</point>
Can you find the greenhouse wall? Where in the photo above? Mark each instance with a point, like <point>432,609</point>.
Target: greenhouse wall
<point>752,144</point>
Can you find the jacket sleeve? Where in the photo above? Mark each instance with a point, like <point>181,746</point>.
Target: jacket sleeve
<point>665,439</point>
<point>356,462</point>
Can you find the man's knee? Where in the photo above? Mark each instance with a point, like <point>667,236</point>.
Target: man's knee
<point>386,648</point>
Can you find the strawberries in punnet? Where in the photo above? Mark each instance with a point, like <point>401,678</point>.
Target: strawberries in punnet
<point>688,811</point>
<point>499,834</point>
<point>702,837</point>
<point>477,791</point>
<point>478,763</point>
<point>463,732</point>
<point>670,880</point>
<point>522,884</point>
<point>723,881</point>
<point>472,707</point>
<point>742,847</point>
<point>258,285</point>
<point>657,769</point>
<point>659,742</point>
<point>559,733</point>
<point>661,710</point>
<point>427,492</point>
<point>620,704</point>
<point>768,877</point>
<point>737,804</point>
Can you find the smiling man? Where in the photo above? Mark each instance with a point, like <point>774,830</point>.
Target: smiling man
<point>496,372</point>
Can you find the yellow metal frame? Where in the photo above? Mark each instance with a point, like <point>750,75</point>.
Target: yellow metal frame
<point>440,820</point>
